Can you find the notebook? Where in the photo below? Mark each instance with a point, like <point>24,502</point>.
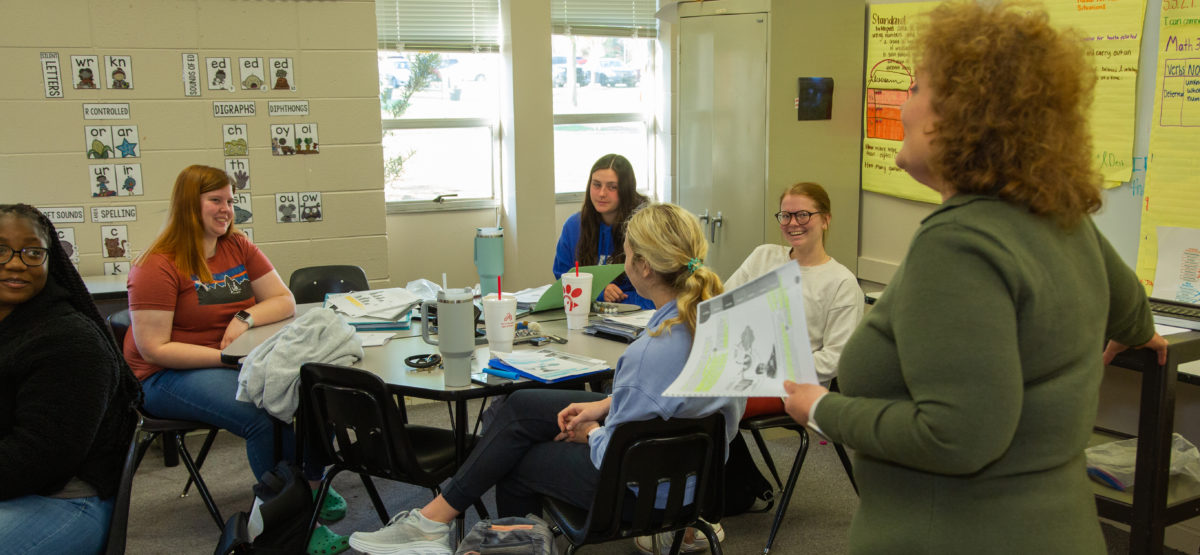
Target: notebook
<point>1176,313</point>
<point>553,297</point>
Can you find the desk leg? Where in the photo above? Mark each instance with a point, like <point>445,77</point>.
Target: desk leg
<point>460,453</point>
<point>1151,475</point>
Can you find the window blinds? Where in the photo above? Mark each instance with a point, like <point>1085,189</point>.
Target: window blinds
<point>440,25</point>
<point>618,18</point>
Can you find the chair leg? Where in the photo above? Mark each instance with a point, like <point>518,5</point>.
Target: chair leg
<point>373,493</point>
<point>200,486</point>
<point>170,456</point>
<point>208,441</point>
<point>766,455</point>
<point>841,451</point>
<point>676,541</point>
<point>786,497</point>
<point>714,545</point>
<point>316,512</point>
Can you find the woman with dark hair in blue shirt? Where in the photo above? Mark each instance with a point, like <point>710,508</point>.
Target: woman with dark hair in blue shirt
<point>594,235</point>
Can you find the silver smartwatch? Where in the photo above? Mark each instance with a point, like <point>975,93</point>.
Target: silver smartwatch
<point>245,317</point>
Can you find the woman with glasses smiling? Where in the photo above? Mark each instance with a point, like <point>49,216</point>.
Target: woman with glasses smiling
<point>66,397</point>
<point>833,301</point>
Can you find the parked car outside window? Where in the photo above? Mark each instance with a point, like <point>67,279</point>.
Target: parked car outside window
<point>610,72</point>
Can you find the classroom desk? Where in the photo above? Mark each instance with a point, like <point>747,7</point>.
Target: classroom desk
<point>1150,510</point>
<point>108,292</point>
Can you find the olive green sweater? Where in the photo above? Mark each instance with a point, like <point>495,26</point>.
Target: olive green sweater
<point>970,389</point>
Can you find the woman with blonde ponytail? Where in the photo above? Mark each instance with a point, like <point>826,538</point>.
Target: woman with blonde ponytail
<point>546,442</point>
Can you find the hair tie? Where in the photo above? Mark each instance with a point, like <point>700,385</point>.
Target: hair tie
<point>693,264</point>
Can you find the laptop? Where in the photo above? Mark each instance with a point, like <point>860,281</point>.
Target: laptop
<point>1176,313</point>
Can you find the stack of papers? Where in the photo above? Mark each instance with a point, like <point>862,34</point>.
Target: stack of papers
<point>624,328</point>
<point>547,365</point>
<point>377,309</point>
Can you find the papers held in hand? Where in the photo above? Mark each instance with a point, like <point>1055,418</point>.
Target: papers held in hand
<point>375,310</point>
<point>547,365</point>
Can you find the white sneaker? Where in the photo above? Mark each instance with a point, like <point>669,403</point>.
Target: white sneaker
<point>720,530</point>
<point>404,535</point>
<point>645,544</point>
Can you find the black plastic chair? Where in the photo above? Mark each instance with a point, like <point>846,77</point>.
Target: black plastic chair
<point>309,285</point>
<point>755,425</point>
<point>353,418</point>
<point>118,525</point>
<point>172,431</point>
<point>644,455</point>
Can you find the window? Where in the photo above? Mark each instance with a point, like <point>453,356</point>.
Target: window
<point>604,75</point>
<point>438,71</point>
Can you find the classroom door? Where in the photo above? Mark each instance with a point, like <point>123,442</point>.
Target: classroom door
<point>722,131</point>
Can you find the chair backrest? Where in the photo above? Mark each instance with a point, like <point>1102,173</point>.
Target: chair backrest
<point>354,408</point>
<point>648,453</point>
<point>119,323</point>
<point>120,515</point>
<point>309,285</point>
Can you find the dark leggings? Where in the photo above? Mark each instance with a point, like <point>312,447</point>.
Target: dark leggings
<point>519,456</point>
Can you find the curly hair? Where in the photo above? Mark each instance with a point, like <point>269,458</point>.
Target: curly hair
<point>183,237</point>
<point>1013,94</point>
<point>671,241</point>
<point>589,219</point>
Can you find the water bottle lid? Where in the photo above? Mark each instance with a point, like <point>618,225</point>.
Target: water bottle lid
<point>456,295</point>
<point>489,232</point>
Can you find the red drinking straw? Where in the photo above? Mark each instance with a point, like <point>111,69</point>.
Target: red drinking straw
<point>576,268</point>
<point>499,291</point>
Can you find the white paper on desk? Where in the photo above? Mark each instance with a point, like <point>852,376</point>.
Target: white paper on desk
<point>749,340</point>
<point>550,365</point>
<point>1165,330</point>
<point>389,304</point>
<point>1177,271</point>
<point>640,318</point>
<point>532,295</point>
<point>374,338</point>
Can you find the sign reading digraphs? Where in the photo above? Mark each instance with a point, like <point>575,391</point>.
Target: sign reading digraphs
<point>1112,32</point>
<point>1170,197</point>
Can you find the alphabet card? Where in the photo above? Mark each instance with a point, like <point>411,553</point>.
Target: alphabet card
<point>66,237</point>
<point>310,207</point>
<point>253,76</point>
<point>129,179</point>
<point>285,208</point>
<point>98,141</point>
<point>116,268</point>
<point>236,138</point>
<point>115,241</point>
<point>249,233</point>
<point>126,141</point>
<point>283,74</point>
<point>120,71</point>
<point>239,170</point>
<point>283,139</point>
<point>102,178</point>
<point>84,69</point>
<point>219,74</point>
<point>306,139</point>
<point>241,209</point>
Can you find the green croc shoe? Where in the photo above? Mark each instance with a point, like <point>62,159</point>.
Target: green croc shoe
<point>334,507</point>
<point>326,542</point>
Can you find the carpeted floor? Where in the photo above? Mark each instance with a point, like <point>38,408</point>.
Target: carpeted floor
<point>162,522</point>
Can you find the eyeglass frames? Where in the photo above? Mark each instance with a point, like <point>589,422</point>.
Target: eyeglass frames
<point>801,216</point>
<point>31,256</point>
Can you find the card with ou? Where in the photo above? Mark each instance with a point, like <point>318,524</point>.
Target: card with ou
<point>285,208</point>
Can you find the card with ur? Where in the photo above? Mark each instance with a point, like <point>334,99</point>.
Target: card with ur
<point>84,69</point>
<point>102,177</point>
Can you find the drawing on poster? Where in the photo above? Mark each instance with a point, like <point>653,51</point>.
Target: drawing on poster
<point>98,141</point>
<point>116,241</point>
<point>218,70</point>
<point>282,138</point>
<point>239,170</point>
<point>252,76</point>
<point>100,180</point>
<point>282,70</point>
<point>236,139</point>
<point>888,85</point>
<point>66,237</point>
<point>129,177</point>
<point>120,71</point>
<point>310,207</point>
<point>241,209</point>
<point>306,139</point>
<point>285,208</point>
<point>85,71</point>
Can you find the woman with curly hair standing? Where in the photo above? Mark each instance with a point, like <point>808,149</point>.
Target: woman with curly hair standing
<point>970,390</point>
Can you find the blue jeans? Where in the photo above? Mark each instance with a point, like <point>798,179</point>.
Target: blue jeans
<point>34,525</point>
<point>208,395</point>
<point>518,455</point>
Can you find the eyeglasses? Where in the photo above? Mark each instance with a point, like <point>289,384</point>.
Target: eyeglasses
<point>31,256</point>
<point>801,216</point>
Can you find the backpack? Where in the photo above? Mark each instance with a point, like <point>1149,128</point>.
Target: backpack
<point>744,482</point>
<point>528,535</point>
<point>278,522</point>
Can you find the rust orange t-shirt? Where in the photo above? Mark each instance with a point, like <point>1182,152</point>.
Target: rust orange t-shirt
<point>202,310</point>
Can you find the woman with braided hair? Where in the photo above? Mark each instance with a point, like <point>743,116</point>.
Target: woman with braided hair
<point>67,397</point>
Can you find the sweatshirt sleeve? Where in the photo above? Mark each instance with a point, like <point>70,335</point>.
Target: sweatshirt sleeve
<point>564,254</point>
<point>844,314</point>
<point>1130,321</point>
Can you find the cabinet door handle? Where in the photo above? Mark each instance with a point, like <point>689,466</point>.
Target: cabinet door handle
<point>704,217</point>
<point>716,226</point>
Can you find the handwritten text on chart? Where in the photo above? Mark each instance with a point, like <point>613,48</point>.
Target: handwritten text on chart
<point>1180,103</point>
